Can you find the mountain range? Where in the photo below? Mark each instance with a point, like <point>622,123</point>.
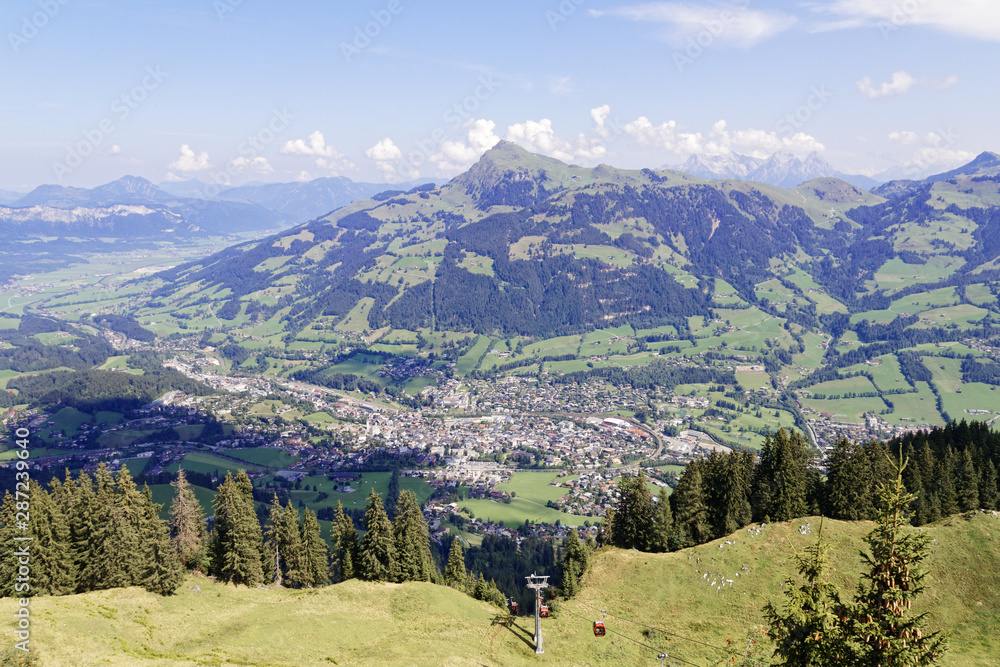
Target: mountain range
<point>524,244</point>
<point>133,207</point>
<point>780,168</point>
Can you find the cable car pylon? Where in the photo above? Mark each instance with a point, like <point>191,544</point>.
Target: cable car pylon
<point>538,583</point>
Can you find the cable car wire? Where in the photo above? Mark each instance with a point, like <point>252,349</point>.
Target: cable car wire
<point>674,634</point>
<point>635,641</point>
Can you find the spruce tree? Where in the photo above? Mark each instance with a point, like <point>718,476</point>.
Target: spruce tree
<point>634,515</point>
<point>889,636</point>
<point>781,480</point>
<point>690,507</point>
<point>967,483</point>
<point>315,554</point>
<point>377,554</point>
<point>412,540</point>
<point>8,548</point>
<point>455,574</point>
<point>807,631</point>
<point>664,525</point>
<point>988,487</point>
<point>345,540</point>
<point>574,563</point>
<point>83,529</point>
<point>163,570</point>
<point>237,544</point>
<point>947,494</point>
<point>52,569</point>
<point>187,524</point>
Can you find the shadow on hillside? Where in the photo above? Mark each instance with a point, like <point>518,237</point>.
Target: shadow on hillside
<point>507,621</point>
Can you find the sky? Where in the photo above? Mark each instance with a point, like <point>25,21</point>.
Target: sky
<point>237,91</point>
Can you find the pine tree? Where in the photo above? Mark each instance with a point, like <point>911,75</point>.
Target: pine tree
<point>237,543</point>
<point>130,522</point>
<point>8,548</point>
<point>83,526</point>
<point>967,483</point>
<point>163,570</point>
<point>110,558</point>
<point>345,540</point>
<point>807,631</point>
<point>315,554</point>
<point>880,615</point>
<point>780,481</point>
<point>946,492</point>
<point>664,525</point>
<point>690,507</point>
<point>377,554</point>
<point>187,524</point>
<point>412,540</point>
<point>634,515</point>
<point>455,574</point>
<point>574,563</point>
<point>52,570</point>
<point>988,487</point>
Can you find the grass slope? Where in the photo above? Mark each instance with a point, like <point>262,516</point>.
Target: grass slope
<point>674,603</point>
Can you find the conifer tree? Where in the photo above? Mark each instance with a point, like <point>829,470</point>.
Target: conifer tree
<point>377,554</point>
<point>237,543</point>
<point>880,617</point>
<point>634,515</point>
<point>807,631</point>
<point>52,570</point>
<point>163,570</point>
<point>187,524</point>
<point>574,563</point>
<point>947,495</point>
<point>988,487</point>
<point>412,540</point>
<point>315,554</point>
<point>967,483</point>
<point>8,547</point>
<point>113,540</point>
<point>455,574</point>
<point>83,526</point>
<point>664,525</point>
<point>345,540</point>
<point>780,481</point>
<point>690,507</point>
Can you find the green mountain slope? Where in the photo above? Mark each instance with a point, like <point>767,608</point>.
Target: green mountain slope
<point>680,603</point>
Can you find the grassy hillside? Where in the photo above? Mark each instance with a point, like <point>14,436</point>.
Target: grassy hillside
<point>675,603</point>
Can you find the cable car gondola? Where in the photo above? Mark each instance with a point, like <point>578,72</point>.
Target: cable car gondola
<point>599,630</point>
<point>543,611</point>
<point>513,608</point>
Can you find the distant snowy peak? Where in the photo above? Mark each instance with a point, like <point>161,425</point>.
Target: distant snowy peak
<point>780,168</point>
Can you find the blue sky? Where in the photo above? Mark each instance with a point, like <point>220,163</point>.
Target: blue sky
<point>387,90</point>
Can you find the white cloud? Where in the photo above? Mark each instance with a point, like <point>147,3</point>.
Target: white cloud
<point>718,141</point>
<point>600,117</point>
<point>189,161</point>
<point>387,157</point>
<point>327,157</point>
<point>115,150</point>
<point>455,156</point>
<point>258,165</point>
<point>979,19</point>
<point>901,82</point>
<point>540,137</point>
<point>903,137</point>
<point>725,24</point>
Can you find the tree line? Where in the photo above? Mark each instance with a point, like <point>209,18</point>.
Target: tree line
<point>952,469</point>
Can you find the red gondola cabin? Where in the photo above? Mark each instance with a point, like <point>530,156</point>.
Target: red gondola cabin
<point>599,630</point>
<point>543,612</point>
